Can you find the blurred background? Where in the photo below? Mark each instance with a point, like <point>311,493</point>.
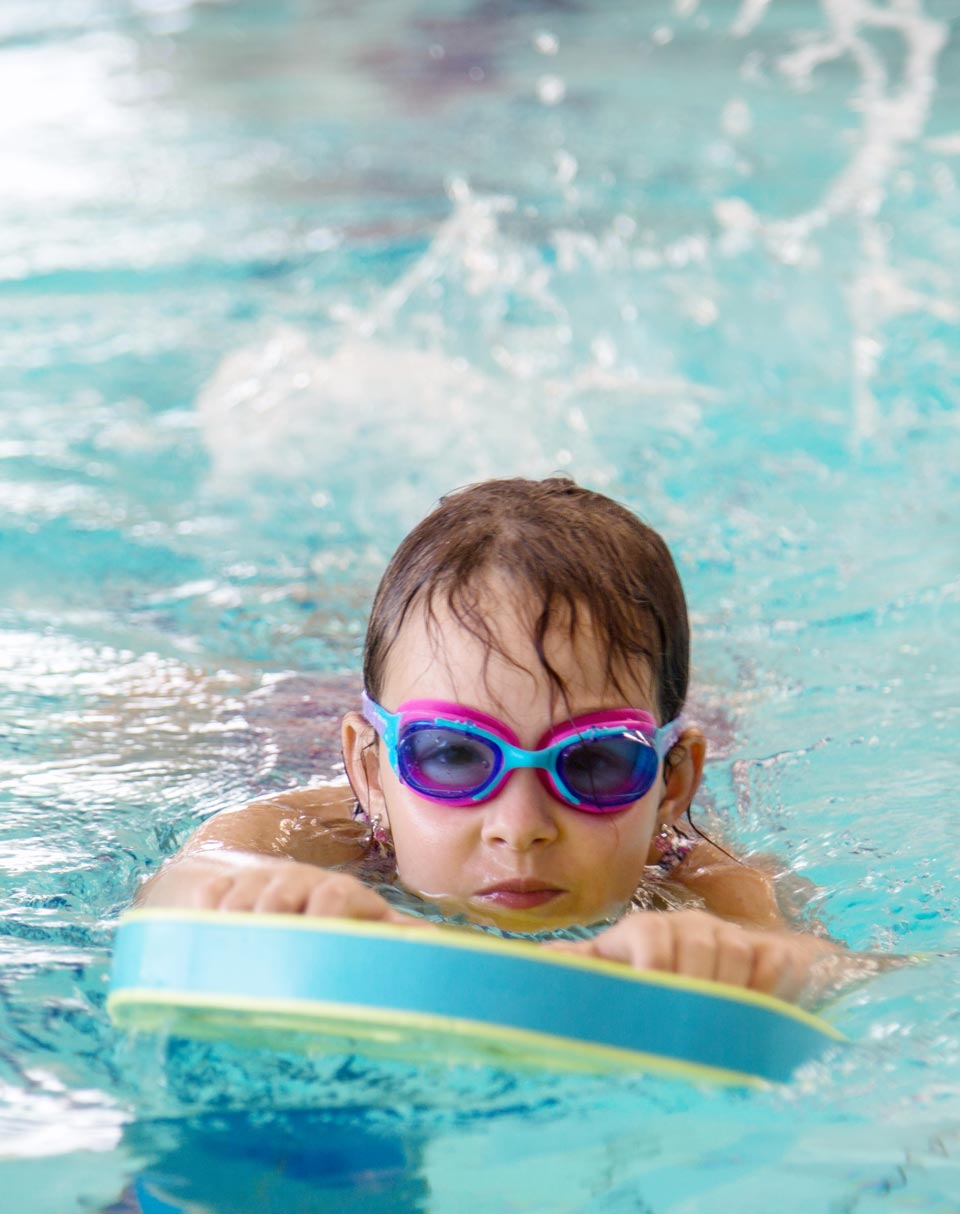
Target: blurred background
<point>273,277</point>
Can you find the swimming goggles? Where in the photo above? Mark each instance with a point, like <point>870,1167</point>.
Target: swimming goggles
<point>457,756</point>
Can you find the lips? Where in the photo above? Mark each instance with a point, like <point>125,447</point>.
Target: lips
<point>520,894</point>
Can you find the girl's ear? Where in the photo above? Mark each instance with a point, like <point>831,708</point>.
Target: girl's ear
<point>681,774</point>
<point>361,760</point>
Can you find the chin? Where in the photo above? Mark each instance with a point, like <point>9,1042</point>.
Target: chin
<point>528,922</point>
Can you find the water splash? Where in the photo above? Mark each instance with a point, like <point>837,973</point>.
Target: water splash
<point>894,115</point>
<point>428,381</point>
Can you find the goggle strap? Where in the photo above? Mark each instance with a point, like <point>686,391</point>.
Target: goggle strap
<point>374,715</point>
<point>668,735</point>
<point>386,724</point>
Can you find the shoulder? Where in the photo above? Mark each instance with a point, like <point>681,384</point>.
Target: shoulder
<point>730,888</point>
<point>329,802</point>
<point>301,824</point>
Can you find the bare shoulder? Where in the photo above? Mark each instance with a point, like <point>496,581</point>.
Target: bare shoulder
<point>329,802</point>
<point>731,888</point>
<point>296,824</point>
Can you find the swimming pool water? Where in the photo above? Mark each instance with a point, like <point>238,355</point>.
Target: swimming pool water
<point>273,276</point>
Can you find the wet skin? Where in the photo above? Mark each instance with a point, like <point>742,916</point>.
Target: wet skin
<point>523,860</point>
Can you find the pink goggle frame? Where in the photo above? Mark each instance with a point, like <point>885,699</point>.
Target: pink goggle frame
<point>458,756</point>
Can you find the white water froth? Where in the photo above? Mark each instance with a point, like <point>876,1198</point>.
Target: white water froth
<point>405,424</point>
<point>894,116</point>
<point>392,389</point>
<point>439,383</point>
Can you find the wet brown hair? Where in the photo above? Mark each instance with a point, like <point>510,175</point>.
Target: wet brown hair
<point>572,551</point>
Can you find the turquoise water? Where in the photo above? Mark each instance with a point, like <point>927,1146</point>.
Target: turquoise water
<point>275,275</point>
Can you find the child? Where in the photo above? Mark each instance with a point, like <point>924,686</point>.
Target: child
<point>520,760</point>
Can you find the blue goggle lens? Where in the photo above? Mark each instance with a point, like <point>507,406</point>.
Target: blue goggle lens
<point>449,764</point>
<point>444,762</point>
<point>608,771</point>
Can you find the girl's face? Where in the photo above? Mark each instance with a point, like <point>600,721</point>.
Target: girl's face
<point>523,860</point>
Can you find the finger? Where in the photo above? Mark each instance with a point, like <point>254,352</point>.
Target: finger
<point>210,893</point>
<point>343,897</point>
<point>794,974</point>
<point>696,949</point>
<point>789,971</point>
<point>657,945</point>
<point>282,896</point>
<point>242,893</point>
<point>772,971</point>
<point>735,959</point>
<point>642,941</point>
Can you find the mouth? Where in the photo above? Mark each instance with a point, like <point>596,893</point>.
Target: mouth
<point>519,895</point>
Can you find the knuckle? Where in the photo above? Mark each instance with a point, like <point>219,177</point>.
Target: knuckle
<point>770,967</point>
<point>333,893</point>
<point>739,948</point>
<point>660,946</point>
<point>241,895</point>
<point>210,893</point>
<point>277,895</point>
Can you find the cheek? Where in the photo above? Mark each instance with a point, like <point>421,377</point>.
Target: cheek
<point>423,834</point>
<point>435,856</point>
<point>621,847</point>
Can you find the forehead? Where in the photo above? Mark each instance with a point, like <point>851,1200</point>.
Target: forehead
<point>488,660</point>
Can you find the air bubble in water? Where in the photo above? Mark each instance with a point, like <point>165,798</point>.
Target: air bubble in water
<point>551,89</point>
<point>735,118</point>
<point>578,420</point>
<point>704,311</point>
<point>546,43</point>
<point>604,351</point>
<point>566,166</point>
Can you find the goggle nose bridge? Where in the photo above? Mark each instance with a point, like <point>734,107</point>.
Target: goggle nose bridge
<point>512,756</point>
<point>518,757</point>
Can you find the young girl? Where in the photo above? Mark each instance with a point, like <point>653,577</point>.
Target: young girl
<point>520,757</point>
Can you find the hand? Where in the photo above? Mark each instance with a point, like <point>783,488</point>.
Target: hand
<point>283,887</point>
<point>699,945</point>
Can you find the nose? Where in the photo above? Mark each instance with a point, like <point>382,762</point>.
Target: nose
<point>522,815</point>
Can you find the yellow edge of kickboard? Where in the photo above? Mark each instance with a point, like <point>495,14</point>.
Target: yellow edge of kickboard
<point>453,937</point>
<point>453,1026</point>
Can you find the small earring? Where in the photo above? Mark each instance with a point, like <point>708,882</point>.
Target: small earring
<point>380,833</point>
<point>673,847</point>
